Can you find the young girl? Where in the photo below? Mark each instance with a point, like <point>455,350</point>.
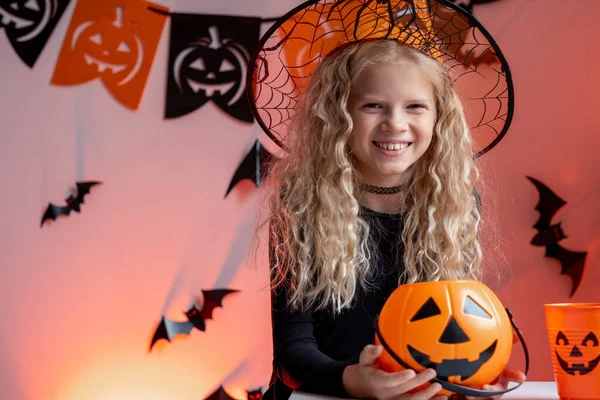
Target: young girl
<point>377,190</point>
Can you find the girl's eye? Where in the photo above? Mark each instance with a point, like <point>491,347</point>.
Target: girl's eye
<point>372,105</point>
<point>417,106</point>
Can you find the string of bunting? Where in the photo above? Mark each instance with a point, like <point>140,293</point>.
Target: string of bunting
<point>115,41</point>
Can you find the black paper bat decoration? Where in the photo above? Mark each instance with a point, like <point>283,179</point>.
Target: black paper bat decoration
<point>219,394</point>
<point>549,235</point>
<point>73,202</point>
<point>253,167</point>
<point>167,329</point>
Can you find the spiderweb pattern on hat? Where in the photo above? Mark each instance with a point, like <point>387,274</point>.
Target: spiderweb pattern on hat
<point>294,46</point>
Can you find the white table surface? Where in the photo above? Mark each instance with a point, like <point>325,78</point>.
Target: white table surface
<point>534,390</point>
<point>529,390</point>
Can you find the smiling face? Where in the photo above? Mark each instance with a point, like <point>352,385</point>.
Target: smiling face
<point>23,14</point>
<point>580,357</point>
<point>452,334</point>
<point>394,111</point>
<point>216,72</point>
<point>112,50</point>
<point>458,328</point>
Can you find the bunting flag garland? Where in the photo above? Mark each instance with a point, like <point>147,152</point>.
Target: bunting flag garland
<point>29,23</point>
<point>114,40</point>
<point>208,60</point>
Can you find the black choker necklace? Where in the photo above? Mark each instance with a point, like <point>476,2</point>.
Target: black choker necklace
<point>381,189</point>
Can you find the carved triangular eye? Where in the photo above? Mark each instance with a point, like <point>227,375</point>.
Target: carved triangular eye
<point>97,38</point>
<point>472,308</point>
<point>226,66</point>
<point>429,309</point>
<point>123,47</point>
<point>561,337</point>
<point>198,64</point>
<point>590,338</point>
<point>32,5</point>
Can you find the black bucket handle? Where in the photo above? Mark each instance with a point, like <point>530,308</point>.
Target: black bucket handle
<point>459,389</point>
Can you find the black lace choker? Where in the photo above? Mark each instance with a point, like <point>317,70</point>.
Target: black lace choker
<point>381,189</point>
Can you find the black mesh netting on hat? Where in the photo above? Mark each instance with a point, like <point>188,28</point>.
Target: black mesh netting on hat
<point>293,47</point>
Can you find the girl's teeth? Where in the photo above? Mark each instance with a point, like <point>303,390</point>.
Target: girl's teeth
<point>392,146</point>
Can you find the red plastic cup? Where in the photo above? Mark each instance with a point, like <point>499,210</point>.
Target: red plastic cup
<point>574,336</point>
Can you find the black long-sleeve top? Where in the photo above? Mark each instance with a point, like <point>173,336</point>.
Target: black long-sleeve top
<point>311,349</point>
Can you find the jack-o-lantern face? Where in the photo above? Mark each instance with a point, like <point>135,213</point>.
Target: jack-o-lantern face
<point>212,69</point>
<point>458,328</point>
<point>577,358</point>
<point>27,17</point>
<point>216,72</point>
<point>453,334</point>
<point>208,62</point>
<point>110,48</point>
<point>29,24</point>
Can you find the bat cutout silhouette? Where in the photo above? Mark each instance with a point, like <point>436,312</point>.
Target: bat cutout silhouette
<point>219,394</point>
<point>572,262</point>
<point>168,329</point>
<point>253,167</point>
<point>73,202</point>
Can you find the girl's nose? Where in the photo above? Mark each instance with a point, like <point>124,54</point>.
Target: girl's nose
<point>395,122</point>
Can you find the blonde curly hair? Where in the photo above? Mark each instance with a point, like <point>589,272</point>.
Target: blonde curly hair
<point>319,242</point>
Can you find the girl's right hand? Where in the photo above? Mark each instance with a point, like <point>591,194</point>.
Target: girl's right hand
<point>365,380</point>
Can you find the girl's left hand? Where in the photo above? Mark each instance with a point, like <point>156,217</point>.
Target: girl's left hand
<point>501,383</point>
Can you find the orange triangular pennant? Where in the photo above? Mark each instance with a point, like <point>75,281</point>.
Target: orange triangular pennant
<point>114,40</point>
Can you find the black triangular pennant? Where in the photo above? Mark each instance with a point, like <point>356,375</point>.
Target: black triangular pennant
<point>208,60</point>
<point>29,24</point>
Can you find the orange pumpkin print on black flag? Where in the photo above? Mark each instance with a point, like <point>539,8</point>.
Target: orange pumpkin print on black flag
<point>114,40</point>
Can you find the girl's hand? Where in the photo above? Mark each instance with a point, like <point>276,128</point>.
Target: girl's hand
<point>365,380</point>
<point>500,383</point>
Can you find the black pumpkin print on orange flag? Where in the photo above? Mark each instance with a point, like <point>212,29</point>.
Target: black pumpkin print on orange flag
<point>208,60</point>
<point>29,23</point>
<point>579,354</point>
<point>113,40</point>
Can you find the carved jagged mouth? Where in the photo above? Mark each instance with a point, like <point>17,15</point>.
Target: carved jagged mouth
<point>102,65</point>
<point>580,368</point>
<point>6,19</point>
<point>210,89</point>
<point>453,367</point>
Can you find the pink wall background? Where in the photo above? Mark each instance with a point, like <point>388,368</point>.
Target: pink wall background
<point>83,295</point>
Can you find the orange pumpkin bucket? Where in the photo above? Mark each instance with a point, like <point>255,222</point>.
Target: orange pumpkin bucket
<point>574,335</point>
<point>458,328</point>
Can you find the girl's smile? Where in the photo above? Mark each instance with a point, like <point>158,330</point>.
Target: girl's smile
<point>393,113</point>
